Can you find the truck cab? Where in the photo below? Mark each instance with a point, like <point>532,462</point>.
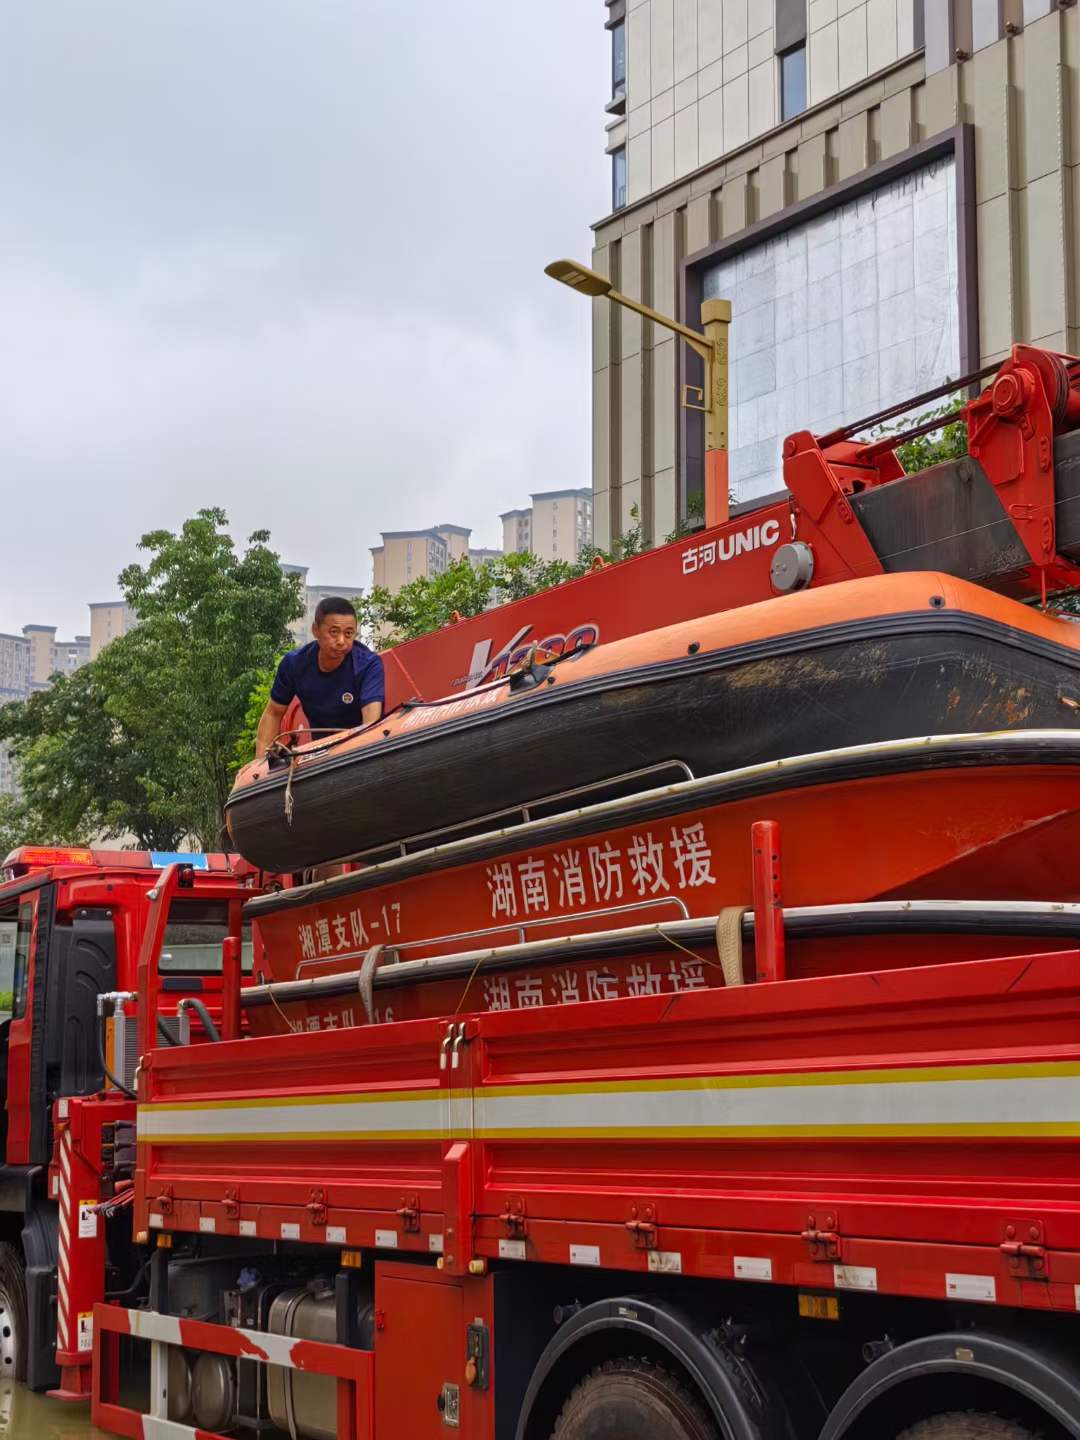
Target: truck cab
<point>71,926</point>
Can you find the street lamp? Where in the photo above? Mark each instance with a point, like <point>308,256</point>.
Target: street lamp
<point>712,400</point>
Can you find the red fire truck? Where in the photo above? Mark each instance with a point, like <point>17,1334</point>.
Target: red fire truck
<point>739,1106</point>
<point>72,922</point>
<point>736,1106</point>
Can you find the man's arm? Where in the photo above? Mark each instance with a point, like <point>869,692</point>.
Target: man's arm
<point>373,691</point>
<point>269,727</point>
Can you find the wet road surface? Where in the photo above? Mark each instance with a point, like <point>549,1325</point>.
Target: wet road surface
<point>24,1416</point>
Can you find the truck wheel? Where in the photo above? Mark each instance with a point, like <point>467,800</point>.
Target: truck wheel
<point>12,1314</point>
<point>967,1426</point>
<point>633,1400</point>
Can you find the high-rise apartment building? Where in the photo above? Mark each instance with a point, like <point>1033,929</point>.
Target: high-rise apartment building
<point>557,526</point>
<point>109,619</point>
<point>888,192</point>
<point>517,531</point>
<point>407,555</point>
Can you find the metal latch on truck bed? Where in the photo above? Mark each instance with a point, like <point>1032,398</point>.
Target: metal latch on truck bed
<point>1024,1248</point>
<point>823,1243</point>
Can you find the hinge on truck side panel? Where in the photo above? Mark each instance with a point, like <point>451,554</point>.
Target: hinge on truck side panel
<point>513,1217</point>
<point>1023,1246</point>
<point>823,1243</point>
<point>316,1207</point>
<point>409,1213</point>
<point>642,1226</point>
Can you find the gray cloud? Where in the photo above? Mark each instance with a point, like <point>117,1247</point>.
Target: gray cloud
<point>285,256</point>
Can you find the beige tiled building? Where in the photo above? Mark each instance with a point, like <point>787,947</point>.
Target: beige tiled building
<point>556,526</point>
<point>109,619</point>
<point>407,555</point>
<point>888,191</point>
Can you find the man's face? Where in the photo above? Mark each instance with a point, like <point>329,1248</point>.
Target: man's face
<point>334,635</point>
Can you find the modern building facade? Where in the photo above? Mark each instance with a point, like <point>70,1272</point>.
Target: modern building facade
<point>557,526</point>
<point>888,192</point>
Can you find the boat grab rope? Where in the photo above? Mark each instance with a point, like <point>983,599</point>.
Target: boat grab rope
<point>729,943</point>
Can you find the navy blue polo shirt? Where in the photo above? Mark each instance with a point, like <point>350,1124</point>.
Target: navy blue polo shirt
<point>332,699</point>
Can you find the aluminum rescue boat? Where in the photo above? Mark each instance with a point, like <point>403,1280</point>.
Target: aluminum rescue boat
<point>876,659</point>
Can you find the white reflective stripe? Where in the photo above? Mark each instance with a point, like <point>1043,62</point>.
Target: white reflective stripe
<point>167,1329</point>
<point>714,1105</point>
<point>149,1325</point>
<point>876,1106</point>
<point>155,1429</point>
<point>343,1117</point>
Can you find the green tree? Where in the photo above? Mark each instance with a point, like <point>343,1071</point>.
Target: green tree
<point>211,622</point>
<point>244,749</point>
<point>79,768</point>
<point>142,741</point>
<point>19,825</point>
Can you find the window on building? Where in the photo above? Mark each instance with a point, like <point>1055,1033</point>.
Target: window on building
<point>618,178</point>
<point>793,82</point>
<point>618,60</point>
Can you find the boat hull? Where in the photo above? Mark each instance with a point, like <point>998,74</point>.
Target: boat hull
<point>983,818</point>
<point>879,678</point>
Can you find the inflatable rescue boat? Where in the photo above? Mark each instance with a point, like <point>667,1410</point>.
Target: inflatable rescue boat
<point>881,658</point>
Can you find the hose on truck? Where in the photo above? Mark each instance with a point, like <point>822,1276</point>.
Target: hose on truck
<point>192,1002</point>
<point>99,1032</point>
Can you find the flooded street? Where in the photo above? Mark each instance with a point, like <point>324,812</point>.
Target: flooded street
<point>25,1416</point>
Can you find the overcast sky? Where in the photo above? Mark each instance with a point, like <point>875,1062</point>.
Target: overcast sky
<point>285,256</point>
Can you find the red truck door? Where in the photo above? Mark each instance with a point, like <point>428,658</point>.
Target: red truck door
<point>18,937</point>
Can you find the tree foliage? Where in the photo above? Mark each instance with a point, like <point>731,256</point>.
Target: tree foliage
<point>142,740</point>
<point>21,825</point>
<point>79,768</point>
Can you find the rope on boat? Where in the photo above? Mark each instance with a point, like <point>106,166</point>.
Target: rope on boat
<point>289,802</point>
<point>366,980</point>
<point>729,943</point>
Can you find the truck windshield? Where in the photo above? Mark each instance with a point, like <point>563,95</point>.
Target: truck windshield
<point>193,937</point>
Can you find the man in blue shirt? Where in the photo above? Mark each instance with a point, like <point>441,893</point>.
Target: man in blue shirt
<point>338,681</point>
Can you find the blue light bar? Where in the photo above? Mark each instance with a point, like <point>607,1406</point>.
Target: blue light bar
<point>161,858</point>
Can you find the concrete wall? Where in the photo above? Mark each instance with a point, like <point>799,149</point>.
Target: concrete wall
<point>1021,95</point>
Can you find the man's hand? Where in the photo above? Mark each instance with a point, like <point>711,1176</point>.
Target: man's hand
<point>269,728</point>
<point>370,713</point>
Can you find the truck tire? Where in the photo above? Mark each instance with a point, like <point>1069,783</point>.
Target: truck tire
<point>12,1314</point>
<point>967,1425</point>
<point>633,1400</point>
